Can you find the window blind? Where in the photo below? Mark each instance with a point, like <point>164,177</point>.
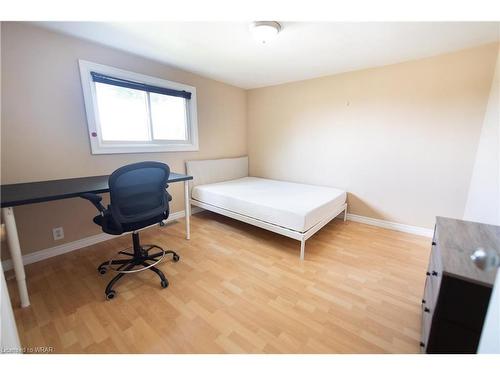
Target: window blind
<point>102,78</point>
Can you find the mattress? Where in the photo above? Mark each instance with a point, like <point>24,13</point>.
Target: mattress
<point>290,205</point>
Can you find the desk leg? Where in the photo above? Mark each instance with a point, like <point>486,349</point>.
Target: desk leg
<point>15,253</point>
<point>187,209</point>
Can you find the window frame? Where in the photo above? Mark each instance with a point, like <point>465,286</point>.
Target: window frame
<point>98,146</point>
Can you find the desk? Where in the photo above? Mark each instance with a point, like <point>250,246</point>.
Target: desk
<point>44,191</point>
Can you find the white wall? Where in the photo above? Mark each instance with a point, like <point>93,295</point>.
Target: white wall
<point>483,201</point>
<point>490,337</point>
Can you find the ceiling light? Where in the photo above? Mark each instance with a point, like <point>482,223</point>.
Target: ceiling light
<point>265,31</point>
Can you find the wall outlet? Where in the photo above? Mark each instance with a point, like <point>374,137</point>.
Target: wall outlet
<point>58,233</point>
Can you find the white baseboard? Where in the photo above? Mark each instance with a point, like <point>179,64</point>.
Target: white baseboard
<point>78,244</point>
<point>88,241</point>
<point>390,225</point>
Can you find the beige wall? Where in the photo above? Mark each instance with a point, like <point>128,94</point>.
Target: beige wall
<point>401,139</point>
<point>44,128</point>
<point>483,201</point>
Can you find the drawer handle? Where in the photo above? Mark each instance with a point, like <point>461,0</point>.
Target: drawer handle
<point>427,310</point>
<point>434,273</point>
<point>433,243</point>
<point>422,345</point>
<point>428,273</point>
<point>423,301</point>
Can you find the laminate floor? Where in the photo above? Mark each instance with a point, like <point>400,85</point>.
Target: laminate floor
<point>236,289</point>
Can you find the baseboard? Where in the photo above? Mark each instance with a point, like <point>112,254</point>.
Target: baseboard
<point>88,241</point>
<point>390,225</point>
<point>78,244</point>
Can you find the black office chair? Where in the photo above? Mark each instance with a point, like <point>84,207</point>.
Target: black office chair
<point>138,199</point>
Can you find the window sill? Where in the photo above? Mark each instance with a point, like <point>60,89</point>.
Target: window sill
<point>99,150</point>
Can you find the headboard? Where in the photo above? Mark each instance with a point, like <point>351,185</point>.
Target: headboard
<point>216,170</point>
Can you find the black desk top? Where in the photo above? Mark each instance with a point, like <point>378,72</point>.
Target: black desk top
<point>44,191</point>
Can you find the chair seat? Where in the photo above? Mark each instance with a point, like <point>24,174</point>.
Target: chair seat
<point>108,225</point>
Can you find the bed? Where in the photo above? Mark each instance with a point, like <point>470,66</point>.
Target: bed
<point>290,209</point>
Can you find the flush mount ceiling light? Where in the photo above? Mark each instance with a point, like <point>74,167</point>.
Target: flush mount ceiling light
<point>265,31</point>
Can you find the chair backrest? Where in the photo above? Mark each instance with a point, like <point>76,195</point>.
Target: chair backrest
<point>138,191</point>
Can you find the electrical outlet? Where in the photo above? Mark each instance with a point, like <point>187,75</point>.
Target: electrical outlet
<point>58,233</point>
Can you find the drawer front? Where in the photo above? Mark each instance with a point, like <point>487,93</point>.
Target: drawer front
<point>426,329</point>
<point>427,313</point>
<point>435,236</point>
<point>431,291</point>
<point>435,272</point>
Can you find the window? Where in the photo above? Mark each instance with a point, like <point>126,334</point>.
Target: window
<point>129,112</point>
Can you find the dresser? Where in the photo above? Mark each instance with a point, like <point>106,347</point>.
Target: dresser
<point>456,293</point>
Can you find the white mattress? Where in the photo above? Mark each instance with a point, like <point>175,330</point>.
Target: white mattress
<point>294,206</point>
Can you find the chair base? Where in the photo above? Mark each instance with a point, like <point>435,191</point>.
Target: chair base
<point>139,258</point>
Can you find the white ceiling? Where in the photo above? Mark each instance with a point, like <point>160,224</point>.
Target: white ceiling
<point>226,51</point>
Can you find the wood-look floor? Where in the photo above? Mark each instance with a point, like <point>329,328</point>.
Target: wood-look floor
<point>236,289</point>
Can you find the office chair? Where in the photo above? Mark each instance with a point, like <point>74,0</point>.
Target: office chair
<point>138,199</point>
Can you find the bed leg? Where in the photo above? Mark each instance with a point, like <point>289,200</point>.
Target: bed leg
<point>345,213</point>
<point>302,249</point>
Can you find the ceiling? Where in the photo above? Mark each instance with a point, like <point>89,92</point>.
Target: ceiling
<point>226,51</point>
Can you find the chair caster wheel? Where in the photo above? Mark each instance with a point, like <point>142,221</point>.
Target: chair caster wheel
<point>110,295</point>
<point>164,283</point>
<point>176,258</point>
<point>102,270</point>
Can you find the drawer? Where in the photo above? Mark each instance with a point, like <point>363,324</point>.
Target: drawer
<point>435,273</point>
<point>435,281</point>
<point>427,313</point>
<point>426,328</point>
<point>428,299</point>
<point>435,236</point>
<point>435,263</point>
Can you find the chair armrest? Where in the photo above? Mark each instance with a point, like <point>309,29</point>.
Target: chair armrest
<point>94,199</point>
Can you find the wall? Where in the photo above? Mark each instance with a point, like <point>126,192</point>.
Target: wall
<point>401,139</point>
<point>44,128</point>
<point>9,338</point>
<point>483,201</point>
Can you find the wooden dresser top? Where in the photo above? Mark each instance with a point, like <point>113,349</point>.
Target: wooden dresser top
<point>458,239</point>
